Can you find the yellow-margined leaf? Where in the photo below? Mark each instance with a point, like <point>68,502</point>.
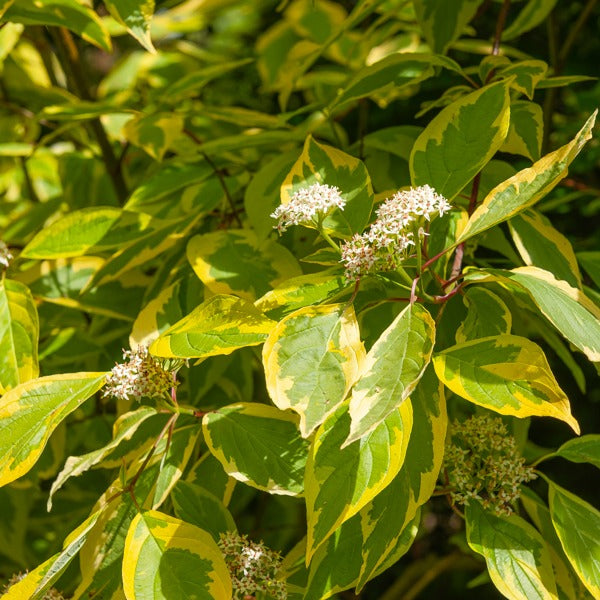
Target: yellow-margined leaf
<point>165,558</point>
<point>136,15</point>
<point>385,520</point>
<point>526,187</point>
<point>542,245</point>
<point>154,133</point>
<point>486,315</point>
<point>507,374</point>
<point>219,325</point>
<point>567,308</point>
<point>19,333</point>
<point>36,583</point>
<point>391,370</point>
<point>311,358</point>
<point>339,482</point>
<point>30,413</point>
<point>259,445</point>
<point>577,524</point>
<point>517,557</point>
<point>460,141</point>
<point>235,261</point>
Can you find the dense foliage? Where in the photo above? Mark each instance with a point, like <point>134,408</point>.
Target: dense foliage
<point>298,298</point>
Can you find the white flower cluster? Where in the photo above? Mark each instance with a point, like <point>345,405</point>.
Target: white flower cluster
<point>5,255</point>
<point>482,463</point>
<point>253,568</point>
<point>140,377</point>
<point>308,206</point>
<point>385,244</point>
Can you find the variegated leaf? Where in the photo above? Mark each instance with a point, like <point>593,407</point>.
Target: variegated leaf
<point>517,557</point>
<point>486,315</point>
<point>459,141</point>
<point>340,482</point>
<point>236,262</point>
<point>19,333</point>
<point>259,445</point>
<point>219,325</point>
<point>507,374</point>
<point>30,413</point>
<point>311,359</point>
<point>162,552</point>
<point>392,369</point>
<point>526,187</point>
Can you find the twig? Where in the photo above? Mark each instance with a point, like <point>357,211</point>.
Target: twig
<point>75,72</point>
<point>219,175</point>
<point>500,27</point>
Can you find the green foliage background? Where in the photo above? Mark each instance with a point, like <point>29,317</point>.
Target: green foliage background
<point>140,159</point>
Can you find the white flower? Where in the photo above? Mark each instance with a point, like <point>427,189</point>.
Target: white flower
<point>5,255</point>
<point>358,256</point>
<point>141,376</point>
<point>308,205</point>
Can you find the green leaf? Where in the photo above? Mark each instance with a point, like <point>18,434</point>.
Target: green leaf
<point>15,506</point>
<point>516,555</point>
<point>154,133</point>
<point>219,325</point>
<point>395,72</point>
<point>461,139</point>
<point>542,245</point>
<point>136,15</point>
<point>19,333</point>
<point>507,374</point>
<point>526,187</point>
<point>443,23</point>
<point>319,163</point>
<point>311,359</point>
<point>197,506</point>
<point>339,482</point>
<point>209,474</point>
<point>169,179</point>
<point>585,449</point>
<point>124,428</point>
<point>590,261</point>
<point>526,130</point>
<point>487,315</point>
<point>192,83</point>
<point>577,524</point>
<point>568,584</point>
<point>73,15</point>
<point>555,299</point>
<point>30,413</point>
<point>88,230</point>
<point>258,445</point>
<point>388,518</point>
<point>262,195</point>
<point>161,553</point>
<point>532,14</point>
<point>392,370</point>
<point>235,261</point>
<point>36,583</point>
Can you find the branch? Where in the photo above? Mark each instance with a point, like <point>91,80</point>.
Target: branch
<point>75,72</point>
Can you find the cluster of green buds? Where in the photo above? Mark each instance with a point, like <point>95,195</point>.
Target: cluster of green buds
<point>482,463</point>
<point>5,255</point>
<point>141,376</point>
<point>253,568</point>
